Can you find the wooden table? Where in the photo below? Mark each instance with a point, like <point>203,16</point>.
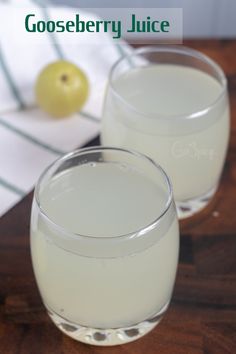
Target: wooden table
<point>202,315</point>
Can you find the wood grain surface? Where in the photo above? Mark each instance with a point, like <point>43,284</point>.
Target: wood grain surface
<point>202,315</point>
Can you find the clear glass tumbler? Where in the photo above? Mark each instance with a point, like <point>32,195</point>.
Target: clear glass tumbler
<point>104,244</point>
<point>171,103</point>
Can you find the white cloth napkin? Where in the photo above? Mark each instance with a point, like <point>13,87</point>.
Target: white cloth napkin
<point>30,139</point>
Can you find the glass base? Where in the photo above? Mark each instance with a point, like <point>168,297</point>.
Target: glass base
<point>106,337</point>
<point>190,207</point>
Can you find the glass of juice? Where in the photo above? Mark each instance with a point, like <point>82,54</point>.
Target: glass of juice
<point>171,103</point>
<point>104,244</point>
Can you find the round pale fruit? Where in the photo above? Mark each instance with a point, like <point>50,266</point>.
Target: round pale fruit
<point>61,89</point>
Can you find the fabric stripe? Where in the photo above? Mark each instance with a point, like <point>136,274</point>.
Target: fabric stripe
<point>30,138</point>
<point>123,53</point>
<point>55,44</point>
<point>10,81</point>
<point>90,116</point>
<point>120,49</point>
<point>82,113</point>
<point>43,7</point>
<point>12,187</point>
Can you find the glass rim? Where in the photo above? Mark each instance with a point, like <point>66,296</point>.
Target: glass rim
<point>139,232</point>
<point>178,49</point>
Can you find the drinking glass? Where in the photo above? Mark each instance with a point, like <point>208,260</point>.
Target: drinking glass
<point>171,103</point>
<point>104,244</point>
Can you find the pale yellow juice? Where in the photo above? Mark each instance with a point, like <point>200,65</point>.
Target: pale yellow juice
<point>116,283</point>
<point>148,109</point>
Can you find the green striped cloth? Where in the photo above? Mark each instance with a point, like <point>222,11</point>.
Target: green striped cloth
<point>29,139</point>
